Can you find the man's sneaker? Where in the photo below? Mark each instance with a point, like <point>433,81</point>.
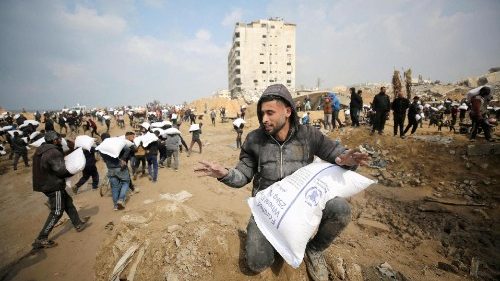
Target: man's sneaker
<point>43,243</point>
<point>316,265</point>
<point>120,204</point>
<point>82,225</point>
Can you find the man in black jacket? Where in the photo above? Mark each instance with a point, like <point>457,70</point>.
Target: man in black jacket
<point>381,105</point>
<point>355,106</point>
<point>399,106</point>
<point>412,116</point>
<point>281,134</point>
<point>49,173</point>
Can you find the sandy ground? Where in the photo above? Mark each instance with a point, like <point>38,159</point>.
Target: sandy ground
<point>200,238</point>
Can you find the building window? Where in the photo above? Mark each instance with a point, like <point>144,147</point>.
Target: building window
<point>263,44</point>
<point>289,81</point>
<point>288,46</point>
<point>261,54</point>
<point>261,62</point>
<point>288,63</point>
<point>256,81</point>
<point>237,35</point>
<point>237,43</point>
<point>237,71</point>
<point>264,72</point>
<point>264,36</point>
<point>237,62</point>
<point>271,81</point>
<point>288,72</point>
<point>272,26</point>
<point>263,25</point>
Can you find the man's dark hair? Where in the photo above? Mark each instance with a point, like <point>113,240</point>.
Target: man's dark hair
<point>267,98</point>
<point>359,92</point>
<point>105,136</point>
<point>353,90</point>
<point>129,133</point>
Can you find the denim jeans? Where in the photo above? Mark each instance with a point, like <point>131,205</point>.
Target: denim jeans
<point>153,166</point>
<point>260,253</point>
<point>119,189</point>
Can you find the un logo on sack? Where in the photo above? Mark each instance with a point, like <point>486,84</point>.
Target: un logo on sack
<point>313,195</point>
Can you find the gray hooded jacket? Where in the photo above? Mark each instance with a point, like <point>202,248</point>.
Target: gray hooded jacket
<point>266,161</point>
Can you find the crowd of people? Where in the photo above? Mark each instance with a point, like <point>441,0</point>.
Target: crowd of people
<point>153,140</point>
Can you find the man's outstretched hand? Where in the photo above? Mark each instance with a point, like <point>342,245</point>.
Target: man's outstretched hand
<point>352,157</point>
<point>211,169</point>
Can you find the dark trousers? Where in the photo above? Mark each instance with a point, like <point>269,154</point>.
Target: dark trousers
<point>213,121</point>
<point>260,253</point>
<point>476,123</point>
<point>94,131</point>
<point>335,119</point>
<point>137,162</point>
<point>163,153</point>
<point>399,121</point>
<point>17,155</point>
<point>59,202</point>
<point>413,124</point>
<point>379,121</point>
<point>86,174</point>
<point>355,117</point>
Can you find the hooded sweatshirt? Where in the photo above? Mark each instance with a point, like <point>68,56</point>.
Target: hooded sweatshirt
<point>266,161</point>
<point>49,170</point>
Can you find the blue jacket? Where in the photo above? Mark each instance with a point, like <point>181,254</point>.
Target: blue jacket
<point>335,101</point>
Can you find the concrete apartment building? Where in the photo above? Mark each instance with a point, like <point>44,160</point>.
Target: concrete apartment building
<point>263,53</point>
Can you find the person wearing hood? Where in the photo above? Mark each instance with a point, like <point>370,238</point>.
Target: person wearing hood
<point>280,134</point>
<point>49,174</point>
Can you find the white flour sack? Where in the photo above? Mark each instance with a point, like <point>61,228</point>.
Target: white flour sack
<point>75,161</point>
<point>289,211</point>
<point>112,146</point>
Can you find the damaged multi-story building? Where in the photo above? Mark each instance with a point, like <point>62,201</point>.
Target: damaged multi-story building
<point>262,54</point>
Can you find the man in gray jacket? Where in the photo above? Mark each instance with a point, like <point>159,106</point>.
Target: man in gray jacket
<point>274,151</point>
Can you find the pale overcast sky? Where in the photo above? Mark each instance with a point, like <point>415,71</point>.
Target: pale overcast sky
<point>92,52</point>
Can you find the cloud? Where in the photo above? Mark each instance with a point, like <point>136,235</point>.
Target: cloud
<point>87,20</point>
<point>233,17</point>
<point>155,3</point>
<point>203,34</point>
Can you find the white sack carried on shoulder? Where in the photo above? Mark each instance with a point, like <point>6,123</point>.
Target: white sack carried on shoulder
<point>238,122</point>
<point>38,142</point>
<point>34,134</point>
<point>148,138</point>
<point>127,142</point>
<point>289,211</point>
<point>112,146</point>
<point>418,116</point>
<point>64,145</point>
<point>172,131</point>
<point>84,142</point>
<point>160,131</point>
<point>75,161</point>
<point>174,116</point>
<point>194,127</point>
<point>475,92</point>
<point>11,133</point>
<point>145,125</point>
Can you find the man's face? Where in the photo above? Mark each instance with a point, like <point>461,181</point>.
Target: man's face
<point>274,116</point>
<point>382,89</point>
<point>130,137</point>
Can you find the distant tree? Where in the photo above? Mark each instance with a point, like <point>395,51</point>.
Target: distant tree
<point>396,83</point>
<point>408,83</point>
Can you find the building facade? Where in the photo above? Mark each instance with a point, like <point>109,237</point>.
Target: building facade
<point>262,54</point>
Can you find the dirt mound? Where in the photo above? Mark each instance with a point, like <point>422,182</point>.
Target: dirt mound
<point>232,106</point>
<point>179,243</point>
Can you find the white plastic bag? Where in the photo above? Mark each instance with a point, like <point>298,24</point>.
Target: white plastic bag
<point>84,142</point>
<point>75,161</point>
<point>112,146</point>
<point>289,211</point>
